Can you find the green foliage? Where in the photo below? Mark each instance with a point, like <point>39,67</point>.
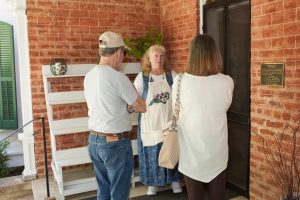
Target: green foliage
<point>138,46</point>
<point>4,169</point>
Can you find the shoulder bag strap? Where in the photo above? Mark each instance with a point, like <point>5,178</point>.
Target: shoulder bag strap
<point>177,105</point>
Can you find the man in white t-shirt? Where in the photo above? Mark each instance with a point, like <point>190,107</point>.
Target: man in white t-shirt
<point>108,93</point>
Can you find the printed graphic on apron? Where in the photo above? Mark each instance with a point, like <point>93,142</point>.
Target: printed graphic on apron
<point>159,112</point>
<point>160,98</point>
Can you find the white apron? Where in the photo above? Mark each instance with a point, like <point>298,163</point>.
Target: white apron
<point>159,112</point>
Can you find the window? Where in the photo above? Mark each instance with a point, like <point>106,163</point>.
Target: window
<point>8,108</point>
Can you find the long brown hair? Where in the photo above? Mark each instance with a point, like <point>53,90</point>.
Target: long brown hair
<point>146,65</point>
<point>204,57</point>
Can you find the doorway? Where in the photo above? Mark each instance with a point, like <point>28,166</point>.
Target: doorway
<point>228,22</point>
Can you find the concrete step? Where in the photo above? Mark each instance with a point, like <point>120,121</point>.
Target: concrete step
<point>21,195</point>
<point>13,184</point>
<point>15,149</point>
<point>4,133</point>
<point>39,190</point>
<point>16,160</point>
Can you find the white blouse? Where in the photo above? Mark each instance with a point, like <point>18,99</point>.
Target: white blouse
<point>202,124</point>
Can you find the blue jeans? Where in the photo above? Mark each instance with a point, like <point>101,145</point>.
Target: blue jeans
<point>113,165</point>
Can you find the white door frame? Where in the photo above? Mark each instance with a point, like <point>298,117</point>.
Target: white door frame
<point>201,4</point>
<point>14,13</point>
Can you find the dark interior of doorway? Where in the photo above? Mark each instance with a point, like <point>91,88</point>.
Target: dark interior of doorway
<point>228,22</point>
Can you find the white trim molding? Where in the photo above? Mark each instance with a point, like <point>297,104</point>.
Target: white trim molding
<point>7,5</point>
<point>14,13</point>
<point>201,4</point>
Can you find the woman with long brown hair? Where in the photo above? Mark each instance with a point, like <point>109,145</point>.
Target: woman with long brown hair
<point>205,96</point>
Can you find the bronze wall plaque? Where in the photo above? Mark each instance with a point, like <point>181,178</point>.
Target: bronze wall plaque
<point>272,74</point>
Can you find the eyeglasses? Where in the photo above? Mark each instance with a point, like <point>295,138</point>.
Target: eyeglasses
<point>124,51</point>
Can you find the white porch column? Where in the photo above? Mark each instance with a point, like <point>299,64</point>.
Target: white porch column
<point>13,12</point>
<point>26,137</point>
<point>29,172</point>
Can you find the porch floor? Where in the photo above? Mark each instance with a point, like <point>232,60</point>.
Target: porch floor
<point>13,188</point>
<point>40,192</point>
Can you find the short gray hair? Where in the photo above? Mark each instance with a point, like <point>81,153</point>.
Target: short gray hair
<point>108,51</point>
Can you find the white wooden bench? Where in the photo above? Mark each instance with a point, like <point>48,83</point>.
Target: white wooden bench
<point>69,185</point>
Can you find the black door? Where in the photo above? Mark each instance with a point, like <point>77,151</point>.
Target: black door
<point>228,22</point>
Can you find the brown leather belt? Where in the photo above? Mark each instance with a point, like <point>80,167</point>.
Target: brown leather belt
<point>112,137</point>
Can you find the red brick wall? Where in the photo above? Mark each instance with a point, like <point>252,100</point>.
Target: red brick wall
<point>275,37</point>
<point>179,22</point>
<point>70,29</point>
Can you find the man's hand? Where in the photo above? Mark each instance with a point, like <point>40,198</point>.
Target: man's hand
<point>139,105</point>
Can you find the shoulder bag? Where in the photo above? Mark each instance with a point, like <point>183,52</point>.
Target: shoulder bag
<point>169,153</point>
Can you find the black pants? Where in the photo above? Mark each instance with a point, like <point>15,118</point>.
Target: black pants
<point>216,188</point>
